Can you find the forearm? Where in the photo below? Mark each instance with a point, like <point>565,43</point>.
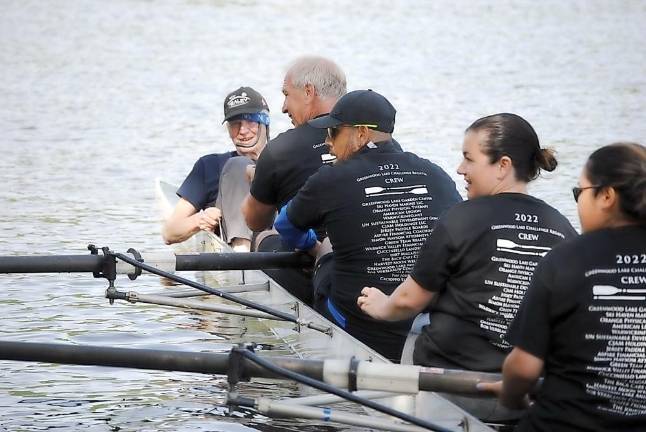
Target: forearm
<point>515,390</point>
<point>405,302</point>
<point>398,307</point>
<point>258,216</point>
<point>521,371</point>
<point>176,230</point>
<point>292,235</point>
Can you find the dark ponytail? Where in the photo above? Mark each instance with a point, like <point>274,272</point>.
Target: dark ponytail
<point>621,166</point>
<point>512,136</point>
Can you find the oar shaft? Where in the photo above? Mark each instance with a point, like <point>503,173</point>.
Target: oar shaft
<point>180,361</point>
<point>455,381</point>
<point>463,382</point>
<point>242,261</point>
<point>167,261</point>
<point>51,264</point>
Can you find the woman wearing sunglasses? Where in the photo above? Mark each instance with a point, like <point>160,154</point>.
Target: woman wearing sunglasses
<point>583,321</point>
<point>474,268</point>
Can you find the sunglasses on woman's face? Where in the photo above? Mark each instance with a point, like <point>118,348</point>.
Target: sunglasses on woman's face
<point>576,191</point>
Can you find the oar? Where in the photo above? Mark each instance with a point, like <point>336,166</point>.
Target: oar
<point>405,379</point>
<point>504,243</point>
<point>166,260</point>
<point>608,290</point>
<point>317,384</point>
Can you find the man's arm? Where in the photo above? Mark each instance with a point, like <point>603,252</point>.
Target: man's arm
<point>186,221</point>
<point>409,299</point>
<point>294,237</point>
<point>257,215</point>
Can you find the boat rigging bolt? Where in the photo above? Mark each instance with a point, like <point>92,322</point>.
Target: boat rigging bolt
<point>297,312</point>
<point>315,326</point>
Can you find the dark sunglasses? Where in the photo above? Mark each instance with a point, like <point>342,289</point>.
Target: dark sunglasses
<point>332,132</point>
<point>576,191</point>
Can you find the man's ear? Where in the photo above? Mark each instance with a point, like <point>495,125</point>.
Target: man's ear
<point>365,134</point>
<point>310,91</point>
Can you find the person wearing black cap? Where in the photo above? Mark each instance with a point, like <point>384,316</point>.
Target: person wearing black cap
<point>377,203</point>
<point>211,195</point>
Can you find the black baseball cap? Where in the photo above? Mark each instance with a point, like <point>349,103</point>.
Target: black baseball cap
<point>360,108</point>
<point>244,100</point>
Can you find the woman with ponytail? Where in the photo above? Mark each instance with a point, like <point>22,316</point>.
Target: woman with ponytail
<point>474,268</point>
<point>582,323</point>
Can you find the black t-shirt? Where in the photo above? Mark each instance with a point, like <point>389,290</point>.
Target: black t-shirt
<point>378,207</point>
<point>585,316</point>
<point>287,162</point>
<point>480,260</point>
<point>202,185</point>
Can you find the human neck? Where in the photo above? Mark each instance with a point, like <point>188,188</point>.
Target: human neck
<point>378,136</point>
<point>617,219</point>
<point>321,106</point>
<point>510,187</point>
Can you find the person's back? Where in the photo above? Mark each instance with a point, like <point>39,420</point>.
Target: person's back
<point>378,208</point>
<point>493,245</point>
<point>473,270</point>
<point>595,373</point>
<point>582,324</point>
<point>377,205</point>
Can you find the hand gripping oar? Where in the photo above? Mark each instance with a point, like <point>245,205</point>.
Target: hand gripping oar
<point>271,311</point>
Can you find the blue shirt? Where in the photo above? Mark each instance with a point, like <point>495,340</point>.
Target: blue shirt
<point>202,185</point>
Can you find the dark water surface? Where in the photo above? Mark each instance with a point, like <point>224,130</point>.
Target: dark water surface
<point>97,98</point>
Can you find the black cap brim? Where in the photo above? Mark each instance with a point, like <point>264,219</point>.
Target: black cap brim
<point>324,122</point>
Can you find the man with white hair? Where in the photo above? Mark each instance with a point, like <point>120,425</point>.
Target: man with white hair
<point>311,87</point>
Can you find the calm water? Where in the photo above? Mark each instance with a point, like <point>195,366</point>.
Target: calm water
<point>99,98</point>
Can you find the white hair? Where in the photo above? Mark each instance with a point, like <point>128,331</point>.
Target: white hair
<point>326,76</point>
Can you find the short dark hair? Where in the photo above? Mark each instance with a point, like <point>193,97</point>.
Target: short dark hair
<point>512,136</point>
<point>621,166</point>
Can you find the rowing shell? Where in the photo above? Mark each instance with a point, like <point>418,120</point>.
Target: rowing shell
<point>305,342</point>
